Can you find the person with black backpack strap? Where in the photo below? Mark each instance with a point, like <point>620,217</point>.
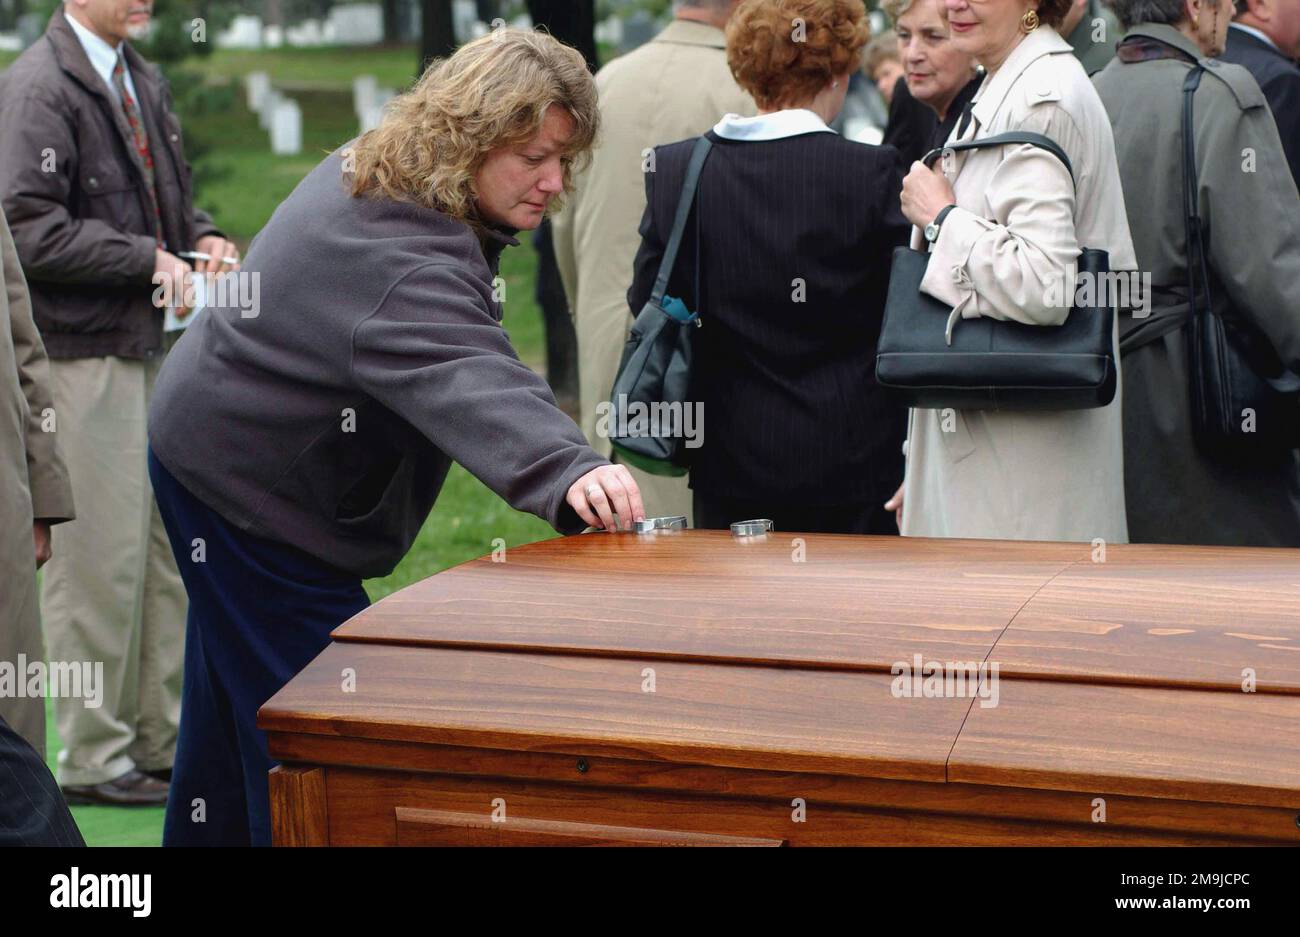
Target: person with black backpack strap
<point>763,266</point>
<point>1212,386</point>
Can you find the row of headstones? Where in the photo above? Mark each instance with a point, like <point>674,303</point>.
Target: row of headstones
<point>279,116</point>
<point>346,24</point>
<point>362,24</point>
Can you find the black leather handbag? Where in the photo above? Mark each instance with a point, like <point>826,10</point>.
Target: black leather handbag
<point>1244,400</point>
<point>994,364</point>
<point>648,401</point>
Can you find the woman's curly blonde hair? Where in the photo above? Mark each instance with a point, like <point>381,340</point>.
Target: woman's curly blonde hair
<point>784,51</point>
<point>493,92</point>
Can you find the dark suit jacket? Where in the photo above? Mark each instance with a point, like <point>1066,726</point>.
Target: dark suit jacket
<point>85,232</point>
<point>794,238</point>
<point>914,129</point>
<point>1279,79</point>
<point>32,809</point>
<point>910,127</point>
<point>959,104</point>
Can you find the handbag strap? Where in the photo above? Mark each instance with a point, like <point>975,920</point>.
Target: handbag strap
<point>1000,139</point>
<point>1191,209</point>
<point>1194,232</point>
<point>1197,259</point>
<point>698,155</point>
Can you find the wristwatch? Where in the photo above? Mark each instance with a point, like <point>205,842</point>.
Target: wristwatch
<point>932,229</point>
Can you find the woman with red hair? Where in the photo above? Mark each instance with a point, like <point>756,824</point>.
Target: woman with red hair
<point>786,260</point>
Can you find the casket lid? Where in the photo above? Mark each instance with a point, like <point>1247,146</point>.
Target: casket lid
<point>1120,673</point>
<point>1182,616</point>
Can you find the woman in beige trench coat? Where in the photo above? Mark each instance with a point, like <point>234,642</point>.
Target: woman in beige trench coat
<point>34,488</point>
<point>1005,251</point>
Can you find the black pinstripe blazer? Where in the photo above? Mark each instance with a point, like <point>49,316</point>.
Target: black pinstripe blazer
<point>794,238</point>
<point>32,809</point>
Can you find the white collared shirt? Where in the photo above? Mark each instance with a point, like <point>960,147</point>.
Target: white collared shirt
<point>103,58</point>
<point>1254,32</point>
<point>774,126</point>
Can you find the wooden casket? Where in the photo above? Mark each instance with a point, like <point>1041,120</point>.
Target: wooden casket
<point>691,687</point>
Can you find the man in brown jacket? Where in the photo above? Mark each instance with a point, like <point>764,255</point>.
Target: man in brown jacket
<point>97,191</point>
<point>34,494</point>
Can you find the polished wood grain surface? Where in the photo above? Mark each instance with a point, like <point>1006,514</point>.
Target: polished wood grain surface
<point>1175,616</point>
<point>1192,616</point>
<point>1119,677</point>
<point>1236,748</point>
<point>632,778</point>
<point>416,827</point>
<point>299,811</point>
<point>856,602</point>
<point>365,808</point>
<point>775,718</point>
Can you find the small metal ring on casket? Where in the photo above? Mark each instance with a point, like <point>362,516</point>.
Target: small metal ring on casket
<point>751,528</point>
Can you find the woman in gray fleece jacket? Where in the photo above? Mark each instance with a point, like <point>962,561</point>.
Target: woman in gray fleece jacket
<point>301,429</point>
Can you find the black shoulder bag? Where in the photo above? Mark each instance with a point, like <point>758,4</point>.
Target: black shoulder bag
<point>649,398</point>
<point>1241,393</point>
<point>994,364</point>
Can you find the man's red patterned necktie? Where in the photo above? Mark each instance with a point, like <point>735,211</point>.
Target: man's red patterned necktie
<point>132,111</point>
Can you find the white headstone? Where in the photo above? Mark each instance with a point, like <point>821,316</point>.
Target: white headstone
<point>256,85</point>
<point>372,115</point>
<point>357,24</point>
<point>273,37</point>
<point>306,33</point>
<point>286,128</point>
<point>269,102</point>
<point>245,32</point>
<point>369,118</point>
<point>364,89</point>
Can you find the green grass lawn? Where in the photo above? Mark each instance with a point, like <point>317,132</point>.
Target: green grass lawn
<point>240,183</point>
<point>394,66</point>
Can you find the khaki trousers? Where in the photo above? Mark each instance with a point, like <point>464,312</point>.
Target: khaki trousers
<point>111,593</point>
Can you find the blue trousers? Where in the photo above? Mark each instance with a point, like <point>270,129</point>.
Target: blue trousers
<point>260,611</point>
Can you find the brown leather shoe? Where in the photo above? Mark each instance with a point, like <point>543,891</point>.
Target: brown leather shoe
<point>133,789</point>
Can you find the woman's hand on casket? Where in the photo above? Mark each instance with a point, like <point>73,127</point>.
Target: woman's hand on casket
<point>604,492</point>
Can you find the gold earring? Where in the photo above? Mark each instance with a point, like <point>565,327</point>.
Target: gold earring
<point>1029,22</point>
